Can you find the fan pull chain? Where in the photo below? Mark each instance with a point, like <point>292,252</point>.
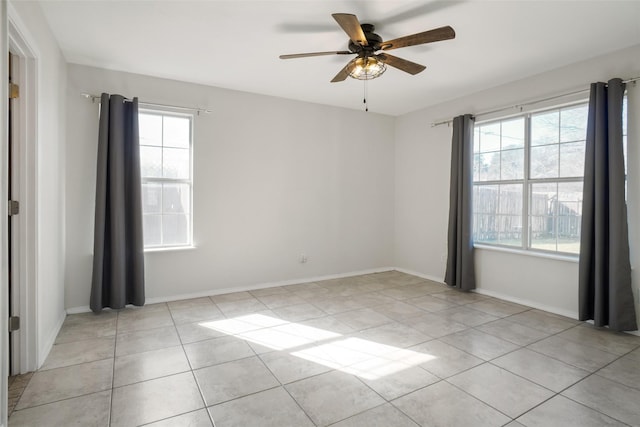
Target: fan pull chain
<point>364,101</point>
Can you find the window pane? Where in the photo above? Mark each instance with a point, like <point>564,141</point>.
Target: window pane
<point>486,229</point>
<point>556,215</point>
<point>476,139</point>
<point>151,198</point>
<point>573,123</point>
<point>544,128</point>
<point>150,128</point>
<point>510,227</point>
<point>176,198</point>
<point>151,162</point>
<point>489,166</point>
<point>176,163</point>
<point>176,132</point>
<point>513,133</point>
<point>498,217</point>
<point>543,199</point>
<point>175,229</point>
<point>543,208</point>
<point>569,216</point>
<point>512,164</point>
<point>624,115</point>
<point>543,234</point>
<point>485,202</point>
<point>490,137</point>
<point>476,167</point>
<point>511,199</point>
<point>572,159</point>
<point>485,199</point>
<point>624,150</point>
<point>152,230</point>
<point>544,162</point>
<point>510,215</point>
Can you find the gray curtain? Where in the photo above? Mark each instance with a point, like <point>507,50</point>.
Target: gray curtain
<point>460,271</point>
<point>118,257</point>
<point>605,271</point>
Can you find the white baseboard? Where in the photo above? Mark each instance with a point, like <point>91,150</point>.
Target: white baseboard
<point>210,292</point>
<point>253,287</point>
<point>77,310</point>
<point>521,301</point>
<point>51,339</point>
<point>424,276</point>
<point>555,310</point>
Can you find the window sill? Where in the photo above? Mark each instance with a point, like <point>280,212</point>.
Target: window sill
<point>170,249</point>
<point>557,257</point>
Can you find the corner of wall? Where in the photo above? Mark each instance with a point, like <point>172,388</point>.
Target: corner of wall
<point>47,341</point>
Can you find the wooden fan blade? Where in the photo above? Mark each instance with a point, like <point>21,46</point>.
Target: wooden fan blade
<point>401,64</point>
<point>439,34</point>
<point>344,73</point>
<point>304,55</point>
<point>350,24</point>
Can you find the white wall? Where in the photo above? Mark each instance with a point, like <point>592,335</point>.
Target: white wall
<point>50,164</point>
<point>422,176</point>
<point>273,178</point>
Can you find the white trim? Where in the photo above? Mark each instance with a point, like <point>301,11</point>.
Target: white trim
<point>169,249</point>
<point>21,45</point>
<point>424,276</point>
<point>499,295</point>
<point>156,300</point>
<point>528,252</point>
<point>164,112</point>
<point>555,310</point>
<point>4,315</point>
<point>51,340</point>
<point>543,307</point>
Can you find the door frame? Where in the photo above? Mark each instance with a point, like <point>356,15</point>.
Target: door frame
<point>4,308</point>
<point>25,231</point>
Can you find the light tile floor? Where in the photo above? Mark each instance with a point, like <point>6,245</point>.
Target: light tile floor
<point>385,349</point>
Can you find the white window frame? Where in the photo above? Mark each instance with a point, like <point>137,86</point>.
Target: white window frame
<point>146,180</point>
<point>526,182</point>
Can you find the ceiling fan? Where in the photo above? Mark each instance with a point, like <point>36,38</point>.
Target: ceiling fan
<point>371,59</point>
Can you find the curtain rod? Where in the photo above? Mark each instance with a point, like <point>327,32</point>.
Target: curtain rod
<point>484,113</point>
<point>198,110</point>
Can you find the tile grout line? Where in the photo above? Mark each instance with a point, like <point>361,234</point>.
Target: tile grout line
<point>191,370</point>
<point>373,305</point>
<point>283,386</point>
<point>113,371</point>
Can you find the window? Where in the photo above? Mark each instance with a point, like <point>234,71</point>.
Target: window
<point>528,174</point>
<point>165,162</point>
<point>528,180</point>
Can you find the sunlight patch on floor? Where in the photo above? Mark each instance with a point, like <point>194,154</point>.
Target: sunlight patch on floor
<point>363,358</point>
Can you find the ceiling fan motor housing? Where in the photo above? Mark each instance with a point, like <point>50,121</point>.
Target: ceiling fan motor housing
<point>374,41</point>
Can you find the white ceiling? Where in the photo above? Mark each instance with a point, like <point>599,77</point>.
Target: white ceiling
<point>235,44</point>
